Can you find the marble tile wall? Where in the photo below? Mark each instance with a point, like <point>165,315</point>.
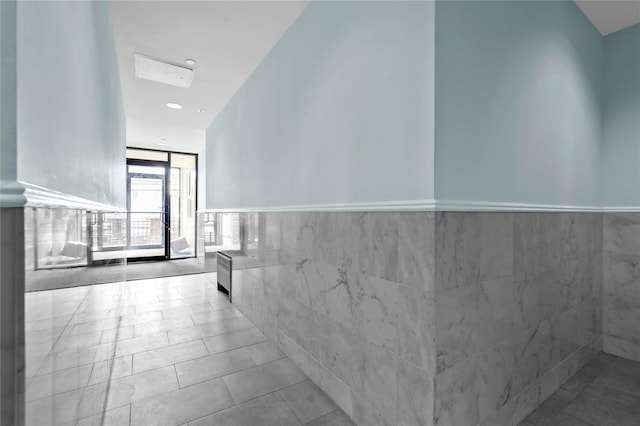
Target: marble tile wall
<point>428,318</point>
<point>12,355</point>
<point>621,295</point>
<point>349,297</point>
<point>516,310</point>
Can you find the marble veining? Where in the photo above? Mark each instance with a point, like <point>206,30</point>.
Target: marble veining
<point>416,249</point>
<point>430,318</point>
<point>621,284</point>
<point>417,327</point>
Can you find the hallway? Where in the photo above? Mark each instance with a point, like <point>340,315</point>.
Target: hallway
<point>427,213</point>
<point>167,351</point>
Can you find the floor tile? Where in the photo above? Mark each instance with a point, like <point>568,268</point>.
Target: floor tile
<point>196,332</point>
<point>74,342</point>
<point>601,404</point>
<point>140,318</point>
<point>158,306</point>
<point>168,355</point>
<point>581,380</point>
<point>270,410</point>
<point>58,382</point>
<point>116,417</point>
<point>262,379</point>
<point>162,372</point>
<point>551,407</point>
<point>114,334</point>
<point>187,310</point>
<point>94,326</point>
<point>180,406</point>
<point>212,366</point>
<point>155,327</point>
<point>141,386</point>
<point>141,344</point>
<point>564,419</point>
<point>212,316</point>
<point>58,409</point>
<point>93,400</point>
<point>601,361</point>
<point>307,401</point>
<point>240,323</point>
<point>236,339</point>
<point>622,374</point>
<point>265,352</point>
<point>220,303</point>
<point>111,369</point>
<point>131,299</point>
<point>335,418</point>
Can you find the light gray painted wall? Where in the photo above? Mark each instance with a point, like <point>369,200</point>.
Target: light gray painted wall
<point>8,147</point>
<point>71,124</point>
<point>621,131</point>
<point>339,112</point>
<point>518,103</point>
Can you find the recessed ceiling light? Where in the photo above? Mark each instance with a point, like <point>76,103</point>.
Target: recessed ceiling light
<point>174,105</point>
<point>190,62</point>
<point>201,110</point>
<point>161,144</point>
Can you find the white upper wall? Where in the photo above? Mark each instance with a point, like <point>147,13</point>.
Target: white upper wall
<point>8,148</point>
<point>71,124</point>
<point>620,153</point>
<point>340,113</point>
<point>519,95</point>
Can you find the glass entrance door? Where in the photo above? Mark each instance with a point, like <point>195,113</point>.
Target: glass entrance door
<point>147,218</point>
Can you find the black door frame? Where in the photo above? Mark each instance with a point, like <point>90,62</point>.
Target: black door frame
<point>165,202</point>
<point>168,196</point>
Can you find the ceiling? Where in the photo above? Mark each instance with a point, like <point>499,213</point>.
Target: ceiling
<point>227,39</point>
<point>609,16</point>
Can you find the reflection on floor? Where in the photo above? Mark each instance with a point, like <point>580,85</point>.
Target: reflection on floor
<point>167,351</point>
<point>606,392</point>
<point>49,279</point>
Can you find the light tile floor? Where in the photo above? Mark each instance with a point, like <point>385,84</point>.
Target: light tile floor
<point>169,351</point>
<point>605,392</point>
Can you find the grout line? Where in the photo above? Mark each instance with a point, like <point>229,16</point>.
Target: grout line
<point>571,415</point>
<point>268,393</point>
<point>289,405</point>
<point>175,371</point>
<point>241,370</point>
<point>113,356</point>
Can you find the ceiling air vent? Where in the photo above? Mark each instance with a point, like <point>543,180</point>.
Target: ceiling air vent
<point>162,71</point>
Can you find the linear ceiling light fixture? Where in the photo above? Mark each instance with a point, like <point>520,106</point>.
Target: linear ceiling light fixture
<point>162,71</point>
<point>174,105</point>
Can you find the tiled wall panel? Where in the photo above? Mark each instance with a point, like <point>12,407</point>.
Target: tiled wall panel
<point>621,291</point>
<point>330,290</point>
<point>428,318</point>
<point>515,298</point>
